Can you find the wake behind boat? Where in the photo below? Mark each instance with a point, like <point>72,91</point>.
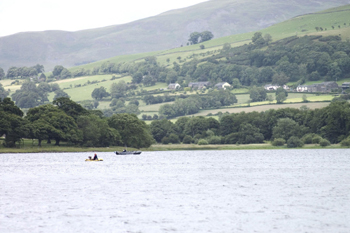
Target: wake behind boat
<point>127,152</point>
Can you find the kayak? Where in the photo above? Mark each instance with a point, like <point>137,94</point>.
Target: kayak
<point>93,160</point>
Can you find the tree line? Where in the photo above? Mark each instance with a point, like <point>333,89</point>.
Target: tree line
<point>63,120</point>
<point>66,121</point>
<point>293,126</point>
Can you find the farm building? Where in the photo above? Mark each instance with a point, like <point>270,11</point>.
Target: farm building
<point>274,87</point>
<point>173,86</point>
<point>222,85</point>
<point>319,87</point>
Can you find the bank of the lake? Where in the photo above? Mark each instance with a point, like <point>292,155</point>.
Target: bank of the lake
<point>156,147</point>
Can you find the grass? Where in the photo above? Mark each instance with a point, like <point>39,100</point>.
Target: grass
<point>266,146</point>
<point>84,92</point>
<point>242,104</point>
<point>260,108</point>
<point>29,147</point>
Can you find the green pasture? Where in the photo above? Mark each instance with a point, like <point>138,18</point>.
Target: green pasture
<point>152,107</point>
<point>306,24</point>
<point>84,92</point>
<point>261,108</point>
<point>243,100</point>
<point>158,86</point>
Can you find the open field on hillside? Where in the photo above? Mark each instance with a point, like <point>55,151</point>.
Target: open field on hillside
<point>84,92</point>
<point>243,101</point>
<point>262,108</point>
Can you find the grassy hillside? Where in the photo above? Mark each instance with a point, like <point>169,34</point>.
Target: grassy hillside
<point>300,26</point>
<point>80,88</point>
<point>168,30</point>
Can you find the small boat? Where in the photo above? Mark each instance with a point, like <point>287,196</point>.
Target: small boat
<point>96,160</point>
<point>127,152</point>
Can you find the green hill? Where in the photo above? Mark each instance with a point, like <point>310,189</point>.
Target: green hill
<point>287,36</point>
<point>168,30</point>
<point>300,25</point>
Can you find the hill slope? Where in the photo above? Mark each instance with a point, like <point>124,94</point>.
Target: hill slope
<point>168,30</point>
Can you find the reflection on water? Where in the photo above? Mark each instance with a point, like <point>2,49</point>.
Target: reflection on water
<point>181,191</point>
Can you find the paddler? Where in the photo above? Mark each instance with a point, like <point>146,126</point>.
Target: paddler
<point>95,157</point>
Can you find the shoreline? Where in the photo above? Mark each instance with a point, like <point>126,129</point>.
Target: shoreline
<point>160,147</point>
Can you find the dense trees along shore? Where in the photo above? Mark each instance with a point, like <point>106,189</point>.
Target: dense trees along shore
<point>66,121</point>
<point>292,126</point>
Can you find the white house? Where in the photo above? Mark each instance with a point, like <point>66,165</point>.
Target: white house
<point>173,86</point>
<point>222,85</point>
<point>273,87</point>
<point>302,88</point>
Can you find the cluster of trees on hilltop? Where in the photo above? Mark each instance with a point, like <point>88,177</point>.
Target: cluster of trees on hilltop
<point>300,126</point>
<point>198,37</point>
<point>66,121</point>
<point>22,72</point>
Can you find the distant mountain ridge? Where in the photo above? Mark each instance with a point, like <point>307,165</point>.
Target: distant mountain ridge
<point>167,30</point>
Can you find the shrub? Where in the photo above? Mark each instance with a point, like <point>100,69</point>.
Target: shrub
<point>214,140</point>
<point>324,142</point>
<point>307,139</point>
<point>202,142</point>
<point>187,139</point>
<point>173,138</point>
<point>165,140</point>
<point>316,139</point>
<point>294,141</point>
<point>345,142</point>
<point>278,142</point>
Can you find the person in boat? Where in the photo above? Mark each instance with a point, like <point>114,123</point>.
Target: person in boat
<point>124,150</point>
<point>95,157</point>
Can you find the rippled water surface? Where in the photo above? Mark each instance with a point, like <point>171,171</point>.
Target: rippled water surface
<point>181,191</point>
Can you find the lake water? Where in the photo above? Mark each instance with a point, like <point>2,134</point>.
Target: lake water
<point>178,191</point>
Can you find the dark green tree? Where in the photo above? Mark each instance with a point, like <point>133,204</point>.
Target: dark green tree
<point>133,132</point>
<point>257,94</point>
<point>11,123</point>
<point>119,89</point>
<point>57,70</point>
<point>96,132</point>
<point>206,35</point>
<point>99,93</point>
<point>161,129</point>
<point>70,107</point>
<point>54,122</point>
<point>137,77</point>
<point>287,127</point>
<point>194,37</point>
